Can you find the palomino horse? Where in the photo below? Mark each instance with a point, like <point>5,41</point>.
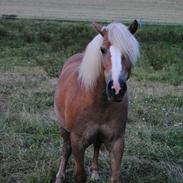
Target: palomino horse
<point>91,100</point>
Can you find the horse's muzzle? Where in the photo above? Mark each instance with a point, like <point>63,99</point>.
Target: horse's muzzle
<point>111,93</point>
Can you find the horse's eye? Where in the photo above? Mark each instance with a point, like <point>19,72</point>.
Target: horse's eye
<point>103,50</point>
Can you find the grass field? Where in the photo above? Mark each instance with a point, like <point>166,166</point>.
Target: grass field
<point>31,55</point>
<point>164,11</point>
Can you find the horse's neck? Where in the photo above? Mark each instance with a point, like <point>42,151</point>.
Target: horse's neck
<point>99,89</point>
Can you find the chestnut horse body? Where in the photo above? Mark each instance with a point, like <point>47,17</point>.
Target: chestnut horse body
<point>92,107</point>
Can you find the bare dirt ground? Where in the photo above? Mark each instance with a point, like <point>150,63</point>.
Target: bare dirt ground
<point>164,11</point>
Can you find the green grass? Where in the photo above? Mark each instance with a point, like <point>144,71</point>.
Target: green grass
<point>48,44</point>
<point>31,55</point>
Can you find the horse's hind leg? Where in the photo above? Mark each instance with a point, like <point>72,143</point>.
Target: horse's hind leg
<point>66,154</point>
<point>94,165</point>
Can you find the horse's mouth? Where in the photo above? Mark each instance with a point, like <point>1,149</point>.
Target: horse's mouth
<point>115,98</point>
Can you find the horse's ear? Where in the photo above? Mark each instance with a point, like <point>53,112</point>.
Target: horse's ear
<point>99,28</point>
<point>133,27</point>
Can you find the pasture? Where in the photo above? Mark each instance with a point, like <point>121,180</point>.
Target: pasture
<point>31,55</point>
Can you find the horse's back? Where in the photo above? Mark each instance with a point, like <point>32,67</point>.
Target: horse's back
<point>73,60</point>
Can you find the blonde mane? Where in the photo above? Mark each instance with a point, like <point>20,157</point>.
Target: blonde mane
<point>119,36</point>
<point>90,67</point>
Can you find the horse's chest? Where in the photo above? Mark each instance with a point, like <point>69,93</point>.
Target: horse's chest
<point>104,133</point>
<point>103,125</point>
<point>109,114</point>
<point>99,121</point>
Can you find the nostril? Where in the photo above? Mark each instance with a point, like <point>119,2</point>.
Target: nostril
<point>110,85</point>
<point>103,50</point>
<point>123,88</point>
<point>110,90</point>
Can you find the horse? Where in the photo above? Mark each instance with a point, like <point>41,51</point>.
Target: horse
<point>91,99</point>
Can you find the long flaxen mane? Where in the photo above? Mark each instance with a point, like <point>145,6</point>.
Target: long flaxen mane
<point>119,36</point>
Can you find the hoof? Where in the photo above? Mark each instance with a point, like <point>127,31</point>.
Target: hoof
<point>60,179</point>
<point>94,176</point>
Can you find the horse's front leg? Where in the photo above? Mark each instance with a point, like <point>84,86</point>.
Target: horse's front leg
<point>116,153</point>
<point>78,151</point>
<point>60,177</point>
<point>94,165</point>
